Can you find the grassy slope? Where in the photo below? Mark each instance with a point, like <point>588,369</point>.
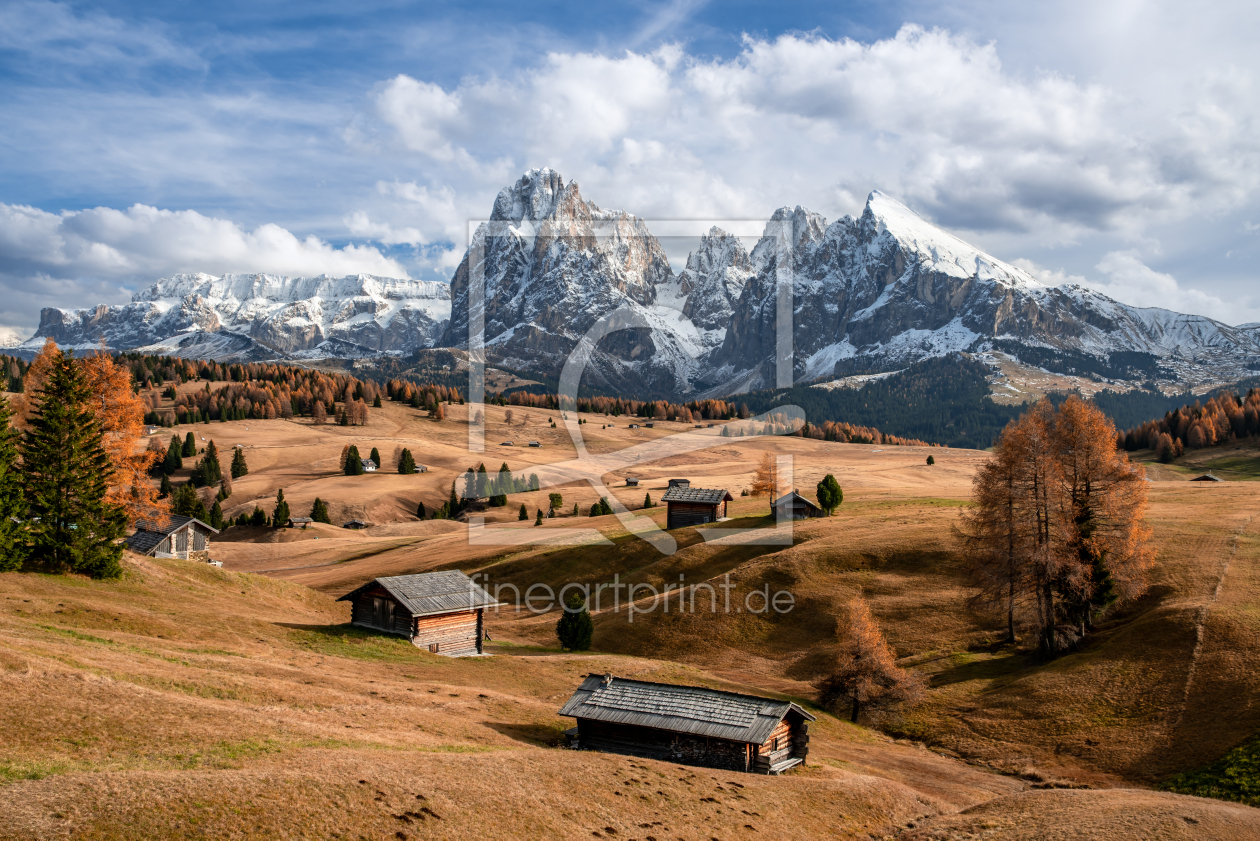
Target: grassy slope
<point>185,700</point>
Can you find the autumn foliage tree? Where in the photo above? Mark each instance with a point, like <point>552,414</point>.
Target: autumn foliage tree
<point>866,675</point>
<point>1057,524</point>
<point>765,480</point>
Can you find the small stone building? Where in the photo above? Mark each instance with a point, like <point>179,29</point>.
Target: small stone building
<point>793,506</point>
<point>686,506</point>
<point>179,537</point>
<point>443,612</point>
<point>691,725</point>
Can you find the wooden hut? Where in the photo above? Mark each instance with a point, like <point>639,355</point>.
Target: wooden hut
<point>680,483</point>
<point>354,524</point>
<point>632,482</point>
<point>439,611</point>
<point>299,522</point>
<point>690,725</point>
<point>179,537</point>
<point>1207,477</point>
<point>793,506</point>
<point>687,506</point>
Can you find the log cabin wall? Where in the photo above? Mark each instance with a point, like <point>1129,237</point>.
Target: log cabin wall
<point>788,740</point>
<point>454,634</point>
<point>363,612</point>
<point>680,514</point>
<point>645,742</point>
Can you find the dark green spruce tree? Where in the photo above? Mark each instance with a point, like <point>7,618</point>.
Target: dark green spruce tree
<point>575,628</point>
<point>173,461</point>
<point>354,462</point>
<point>12,508</point>
<point>280,516</point>
<point>66,472</point>
<point>406,463</point>
<point>239,467</point>
<point>190,446</point>
<point>319,511</point>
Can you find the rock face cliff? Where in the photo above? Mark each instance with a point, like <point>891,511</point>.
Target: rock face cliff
<point>284,315</point>
<point>883,290</point>
<point>869,294</point>
<point>552,265</point>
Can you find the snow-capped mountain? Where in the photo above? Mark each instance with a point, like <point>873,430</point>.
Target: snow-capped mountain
<point>555,264</point>
<point>867,295</point>
<point>283,316</point>
<point>888,288</point>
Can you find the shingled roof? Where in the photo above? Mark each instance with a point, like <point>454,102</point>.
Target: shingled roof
<point>174,523</point>
<point>431,592</point>
<point>679,709</point>
<point>707,496</point>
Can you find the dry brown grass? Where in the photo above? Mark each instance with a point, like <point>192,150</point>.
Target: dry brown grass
<point>190,701</point>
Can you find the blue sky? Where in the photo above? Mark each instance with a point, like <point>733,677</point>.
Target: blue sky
<point>1110,143</point>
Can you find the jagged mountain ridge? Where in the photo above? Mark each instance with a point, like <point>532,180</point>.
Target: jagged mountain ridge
<point>284,315</point>
<point>888,288</point>
<point>873,293</point>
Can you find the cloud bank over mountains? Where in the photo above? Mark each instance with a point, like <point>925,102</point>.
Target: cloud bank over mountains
<point>1088,145</point>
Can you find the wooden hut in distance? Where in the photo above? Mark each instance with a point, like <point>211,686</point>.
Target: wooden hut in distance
<point>793,506</point>
<point>690,725</point>
<point>687,506</point>
<point>443,612</point>
<point>177,537</point>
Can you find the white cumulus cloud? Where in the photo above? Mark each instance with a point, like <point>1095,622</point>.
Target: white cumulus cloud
<point>80,258</point>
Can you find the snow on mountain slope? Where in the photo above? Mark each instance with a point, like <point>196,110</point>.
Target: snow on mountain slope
<point>868,294</point>
<point>888,288</point>
<point>285,314</point>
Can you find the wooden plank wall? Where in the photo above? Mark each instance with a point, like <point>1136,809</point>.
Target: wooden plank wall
<point>681,514</point>
<point>362,613</point>
<point>453,633</point>
<point>645,742</point>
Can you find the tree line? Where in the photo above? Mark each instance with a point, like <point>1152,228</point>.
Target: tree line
<point>1220,419</point>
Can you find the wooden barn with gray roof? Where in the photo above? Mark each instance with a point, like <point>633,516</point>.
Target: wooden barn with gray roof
<point>688,506</point>
<point>443,612</point>
<point>691,725</point>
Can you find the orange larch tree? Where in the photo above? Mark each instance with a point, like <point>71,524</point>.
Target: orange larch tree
<point>866,674</point>
<point>120,413</point>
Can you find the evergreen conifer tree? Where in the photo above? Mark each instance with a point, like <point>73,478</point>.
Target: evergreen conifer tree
<point>319,511</point>
<point>376,403</point>
<point>406,463</point>
<point>524,515</point>
<point>211,470</point>
<point>647,500</point>
<point>354,462</point>
<point>66,474</point>
<point>190,446</point>
<point>258,518</point>
<point>830,495</point>
<point>173,461</point>
<point>575,628</point>
<point>239,467</point>
<point>216,516</point>
<point>165,489</point>
<point>12,509</point>
<point>538,519</point>
<point>420,509</point>
<point>280,516</point>
<point>931,460</point>
<point>376,456</point>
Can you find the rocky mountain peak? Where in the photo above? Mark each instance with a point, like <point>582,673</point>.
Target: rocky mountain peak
<point>714,279</point>
<point>538,195</point>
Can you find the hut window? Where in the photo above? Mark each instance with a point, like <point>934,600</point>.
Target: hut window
<point>383,612</point>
